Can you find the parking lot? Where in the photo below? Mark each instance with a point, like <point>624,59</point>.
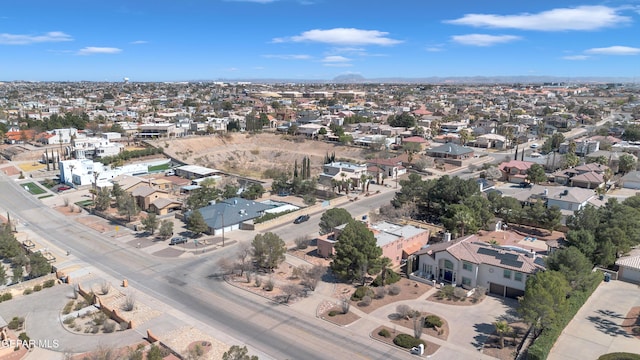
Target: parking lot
<point>597,328</point>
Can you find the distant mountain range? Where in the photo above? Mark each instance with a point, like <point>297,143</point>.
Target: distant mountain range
<point>476,80</point>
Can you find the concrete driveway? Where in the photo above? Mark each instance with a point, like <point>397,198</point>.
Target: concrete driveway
<point>596,329</point>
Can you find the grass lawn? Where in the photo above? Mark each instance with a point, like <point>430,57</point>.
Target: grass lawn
<point>85,203</point>
<point>162,167</point>
<point>45,196</point>
<point>33,188</point>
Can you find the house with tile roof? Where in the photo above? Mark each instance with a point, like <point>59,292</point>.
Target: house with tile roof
<point>470,263</point>
<point>515,171</point>
<point>629,267</point>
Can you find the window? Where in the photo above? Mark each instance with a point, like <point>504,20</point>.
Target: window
<point>467,266</point>
<point>466,281</point>
<point>517,276</point>
<point>507,274</point>
<point>427,269</point>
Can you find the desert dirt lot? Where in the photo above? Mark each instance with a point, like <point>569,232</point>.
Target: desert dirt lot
<point>252,154</point>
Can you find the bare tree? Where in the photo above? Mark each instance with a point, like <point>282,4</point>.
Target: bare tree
<point>291,290</point>
<point>403,311</point>
<point>312,276</point>
<point>418,325</point>
<point>243,256</point>
<point>226,266</point>
<point>345,305</point>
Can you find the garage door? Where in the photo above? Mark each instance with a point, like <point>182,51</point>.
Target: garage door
<point>514,293</point>
<point>496,289</point>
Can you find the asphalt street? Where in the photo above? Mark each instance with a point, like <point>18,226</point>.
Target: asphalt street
<point>187,285</point>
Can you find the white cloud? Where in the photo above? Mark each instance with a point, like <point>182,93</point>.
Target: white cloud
<point>18,39</point>
<point>576,57</point>
<point>338,64</point>
<point>139,42</point>
<point>335,59</point>
<point>435,48</point>
<point>288,56</point>
<point>561,19</point>
<point>614,50</point>
<point>342,36</point>
<point>91,50</point>
<point>483,39</point>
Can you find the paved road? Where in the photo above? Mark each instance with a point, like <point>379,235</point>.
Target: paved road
<point>185,285</point>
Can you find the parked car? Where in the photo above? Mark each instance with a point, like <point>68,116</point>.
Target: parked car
<point>534,146</point>
<point>301,219</point>
<point>178,240</point>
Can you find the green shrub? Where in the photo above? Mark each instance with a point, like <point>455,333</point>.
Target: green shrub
<point>391,277</point>
<point>49,283</point>
<point>446,292</point>
<point>109,326</point>
<point>28,291</point>
<point>407,341</point>
<point>619,356</point>
<point>333,313</point>
<point>361,292</point>
<point>636,331</point>
<point>6,296</point>
<point>37,287</point>
<point>23,337</point>
<point>384,333</point>
<point>432,321</point>
<point>68,321</point>
<point>16,323</point>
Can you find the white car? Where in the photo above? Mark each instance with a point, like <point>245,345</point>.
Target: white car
<point>534,146</point>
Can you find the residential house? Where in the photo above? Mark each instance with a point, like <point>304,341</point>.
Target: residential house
<point>582,148</point>
<point>145,195</point>
<point>396,241</point>
<point>195,171</point>
<point>388,168</point>
<point>588,176</point>
<point>515,171</point>
<point>421,142</point>
<point>503,271</point>
<point>163,206</point>
<point>451,151</point>
<point>230,214</point>
<point>631,180</point>
<point>629,267</point>
<point>491,141</point>
<point>342,171</point>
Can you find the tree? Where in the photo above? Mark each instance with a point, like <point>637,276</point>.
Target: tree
<point>356,250</point>
<point>150,223</point>
<point>3,276</point>
<point>127,206</point>
<point>39,265</point>
<point>238,353</point>
<point>18,274</point>
<point>571,160</point>
<point>253,192</point>
<point>332,218</point>
<point>502,329</point>
<point>102,199</point>
<point>243,255</point>
<point>268,250</point>
<point>627,163</point>
<point>459,220</point>
<point>200,198</point>
<point>166,229</point>
<point>544,299</point>
<point>196,223</point>
<point>552,143</point>
<point>229,191</point>
<point>572,263</point>
<point>536,174</point>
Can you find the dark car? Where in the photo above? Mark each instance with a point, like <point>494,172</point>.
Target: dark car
<point>178,240</point>
<point>301,219</point>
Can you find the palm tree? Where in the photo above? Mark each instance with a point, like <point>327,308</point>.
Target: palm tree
<point>502,329</point>
<point>462,219</point>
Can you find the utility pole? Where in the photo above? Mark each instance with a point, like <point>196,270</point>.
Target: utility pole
<point>222,227</point>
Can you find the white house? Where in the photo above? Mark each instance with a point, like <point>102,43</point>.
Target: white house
<point>629,267</point>
<point>470,264</point>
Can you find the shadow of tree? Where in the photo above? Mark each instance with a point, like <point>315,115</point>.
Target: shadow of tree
<point>483,332</point>
<point>607,326</point>
<point>609,313</point>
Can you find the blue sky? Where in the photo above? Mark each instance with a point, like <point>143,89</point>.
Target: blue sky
<point>179,40</point>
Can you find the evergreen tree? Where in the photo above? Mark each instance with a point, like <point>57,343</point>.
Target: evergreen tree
<point>268,250</point>
<point>196,223</point>
<point>151,223</point>
<point>357,253</point>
